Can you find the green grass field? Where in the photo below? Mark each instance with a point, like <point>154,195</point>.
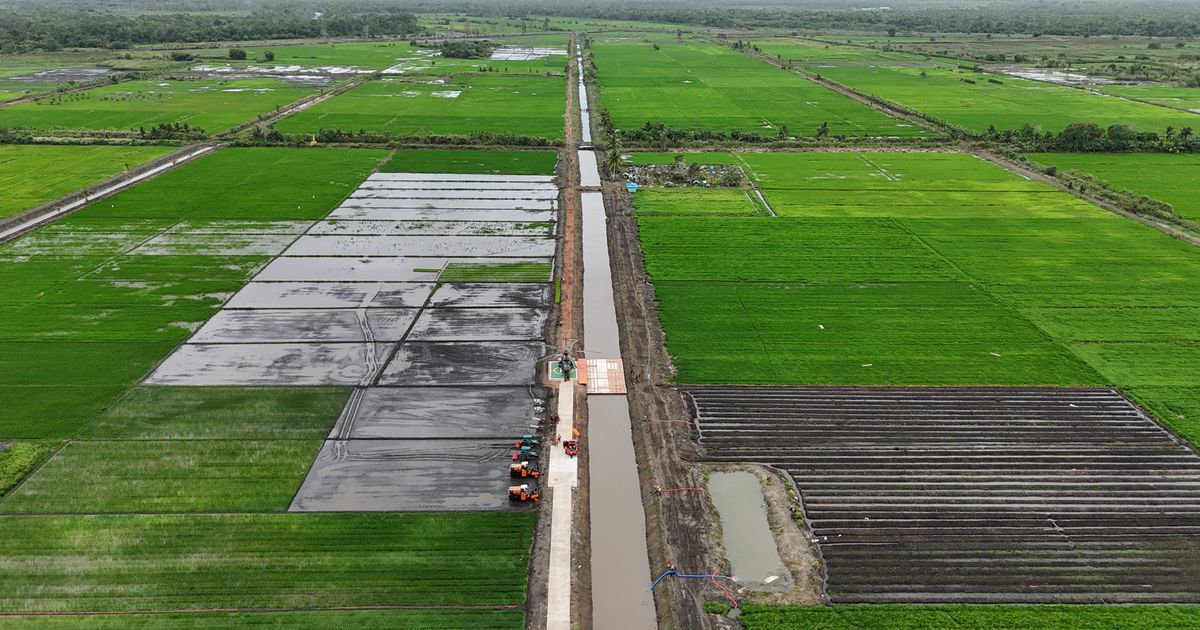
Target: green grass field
<point>1165,95</point>
<point>1167,177</point>
<point>530,106</point>
<point>942,90</point>
<point>694,85</point>
<point>967,617</point>
<point>691,157</point>
<point>504,618</point>
<point>255,184</point>
<point>211,105</point>
<point>740,202</point>
<point>101,476</point>
<point>457,161</point>
<point>60,170</point>
<point>200,561</point>
<point>927,269</point>
<point>497,272</point>
<point>219,413</point>
<point>18,459</point>
<point>409,619</point>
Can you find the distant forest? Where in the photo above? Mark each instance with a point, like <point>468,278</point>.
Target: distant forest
<point>31,28</point>
<point>49,25</point>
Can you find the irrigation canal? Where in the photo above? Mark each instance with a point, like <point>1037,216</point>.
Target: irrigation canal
<point>620,565</point>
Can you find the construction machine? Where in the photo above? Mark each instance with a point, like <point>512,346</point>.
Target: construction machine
<point>523,494</point>
<point>523,470</point>
<point>524,452</point>
<point>527,440</point>
<point>571,447</point>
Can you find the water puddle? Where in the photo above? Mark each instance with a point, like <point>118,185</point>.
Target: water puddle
<point>749,544</point>
<point>1061,77</point>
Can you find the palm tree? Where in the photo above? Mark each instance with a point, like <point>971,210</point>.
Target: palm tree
<point>613,164</point>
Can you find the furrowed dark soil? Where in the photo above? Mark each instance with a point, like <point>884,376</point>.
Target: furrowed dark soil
<point>976,495</point>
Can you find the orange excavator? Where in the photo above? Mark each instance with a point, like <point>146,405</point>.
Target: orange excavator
<point>523,494</point>
<point>523,470</point>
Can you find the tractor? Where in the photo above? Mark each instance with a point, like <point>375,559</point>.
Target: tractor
<point>523,470</point>
<point>523,494</point>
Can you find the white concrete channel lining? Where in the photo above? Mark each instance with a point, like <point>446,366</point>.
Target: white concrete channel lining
<point>364,310</point>
<point>620,563</point>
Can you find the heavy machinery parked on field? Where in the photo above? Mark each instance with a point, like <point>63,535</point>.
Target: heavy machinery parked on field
<point>524,469</point>
<point>523,494</point>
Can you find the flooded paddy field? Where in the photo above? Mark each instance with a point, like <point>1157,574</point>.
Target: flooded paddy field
<point>390,58</point>
<point>383,313</point>
<point>975,495</point>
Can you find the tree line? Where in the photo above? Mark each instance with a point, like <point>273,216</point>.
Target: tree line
<point>46,29</point>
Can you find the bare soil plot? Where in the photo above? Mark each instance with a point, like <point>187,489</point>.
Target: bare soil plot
<point>306,295</point>
<point>210,244</point>
<point>441,246</point>
<point>342,269</point>
<point>407,475</point>
<point>345,364</point>
<point>975,495</point>
<point>386,227</point>
<point>464,363</point>
<point>528,295</point>
<point>479,324</point>
<point>439,412</point>
<point>303,325</point>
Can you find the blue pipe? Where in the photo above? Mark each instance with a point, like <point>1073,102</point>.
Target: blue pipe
<point>676,573</point>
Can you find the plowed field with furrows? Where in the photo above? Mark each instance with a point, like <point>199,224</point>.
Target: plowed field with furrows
<point>975,495</point>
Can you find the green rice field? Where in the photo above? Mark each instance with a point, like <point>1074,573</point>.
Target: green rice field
<point>927,269</point>
<point>207,104</point>
<point>201,561</point>
<point>457,161</point>
<point>1142,173</point>
<point>502,618</point>
<point>967,98</point>
<point>698,201</point>
<point>1166,95</point>
<point>529,106</point>
<point>61,170</point>
<point>641,158</point>
<point>98,476</point>
<point>693,85</point>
